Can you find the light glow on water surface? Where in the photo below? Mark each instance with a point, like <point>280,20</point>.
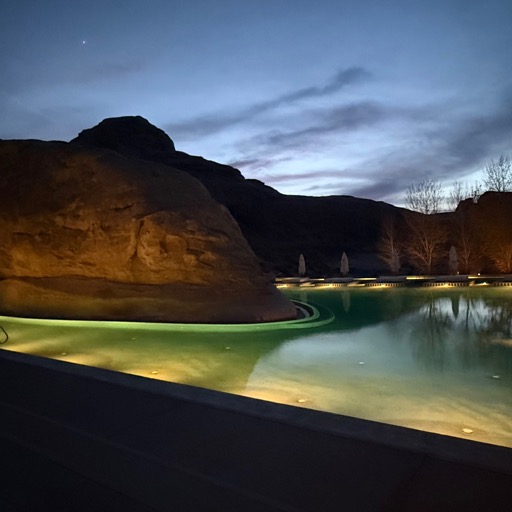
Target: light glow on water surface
<point>438,360</point>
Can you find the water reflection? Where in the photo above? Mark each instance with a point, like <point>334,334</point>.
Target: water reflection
<point>438,360</point>
<point>431,332</point>
<point>463,327</point>
<point>345,297</point>
<point>476,331</point>
<point>435,359</point>
<point>455,299</point>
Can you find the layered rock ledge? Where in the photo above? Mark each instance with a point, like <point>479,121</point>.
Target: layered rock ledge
<point>90,233</point>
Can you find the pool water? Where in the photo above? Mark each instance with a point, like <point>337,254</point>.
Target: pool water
<point>433,359</point>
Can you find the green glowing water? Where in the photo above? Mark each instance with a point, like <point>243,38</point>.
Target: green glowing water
<point>433,359</point>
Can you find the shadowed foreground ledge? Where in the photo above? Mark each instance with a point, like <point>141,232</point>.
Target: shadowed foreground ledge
<point>79,439</point>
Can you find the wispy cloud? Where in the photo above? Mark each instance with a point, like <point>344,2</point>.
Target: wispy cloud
<point>475,139</point>
<point>335,84</point>
<point>255,163</point>
<point>211,123</point>
<point>442,141</point>
<point>321,127</point>
<point>44,76</point>
<point>456,149</point>
<point>327,121</point>
<point>110,71</point>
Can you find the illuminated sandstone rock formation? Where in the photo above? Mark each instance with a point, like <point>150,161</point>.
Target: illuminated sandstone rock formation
<point>89,233</point>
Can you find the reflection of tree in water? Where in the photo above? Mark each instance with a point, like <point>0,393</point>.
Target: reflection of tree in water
<point>471,318</point>
<point>463,328</point>
<point>475,331</point>
<point>497,324</point>
<point>494,335</point>
<point>430,332</point>
<point>455,300</point>
<point>357,308</point>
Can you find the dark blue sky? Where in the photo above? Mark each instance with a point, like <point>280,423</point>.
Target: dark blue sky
<point>328,97</point>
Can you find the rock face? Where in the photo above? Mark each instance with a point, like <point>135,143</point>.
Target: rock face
<point>278,227</point>
<point>484,227</point>
<point>90,233</point>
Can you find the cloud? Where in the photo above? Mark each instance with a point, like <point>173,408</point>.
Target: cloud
<point>480,136</point>
<point>443,141</point>
<point>208,124</point>
<point>384,189</point>
<point>321,127</point>
<point>109,71</point>
<point>336,174</point>
<point>339,81</point>
<point>43,76</point>
<point>456,149</point>
<point>334,120</point>
<point>251,164</point>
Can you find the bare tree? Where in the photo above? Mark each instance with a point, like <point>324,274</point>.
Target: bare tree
<point>456,195</point>
<point>498,242</point>
<point>427,235</point>
<point>503,257</point>
<point>469,252</point>
<point>498,174</point>
<point>390,247</point>
<point>426,242</point>
<point>425,196</point>
<point>461,191</point>
<point>475,191</point>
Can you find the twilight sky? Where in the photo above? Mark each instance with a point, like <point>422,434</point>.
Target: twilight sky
<point>359,97</point>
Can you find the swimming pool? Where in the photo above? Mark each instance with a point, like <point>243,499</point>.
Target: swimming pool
<point>433,359</point>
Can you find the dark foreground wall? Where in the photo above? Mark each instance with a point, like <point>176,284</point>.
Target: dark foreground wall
<point>82,439</point>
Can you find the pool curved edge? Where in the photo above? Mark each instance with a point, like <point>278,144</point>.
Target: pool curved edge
<point>320,316</point>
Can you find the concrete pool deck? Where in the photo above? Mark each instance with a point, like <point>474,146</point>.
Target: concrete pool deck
<point>77,438</point>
